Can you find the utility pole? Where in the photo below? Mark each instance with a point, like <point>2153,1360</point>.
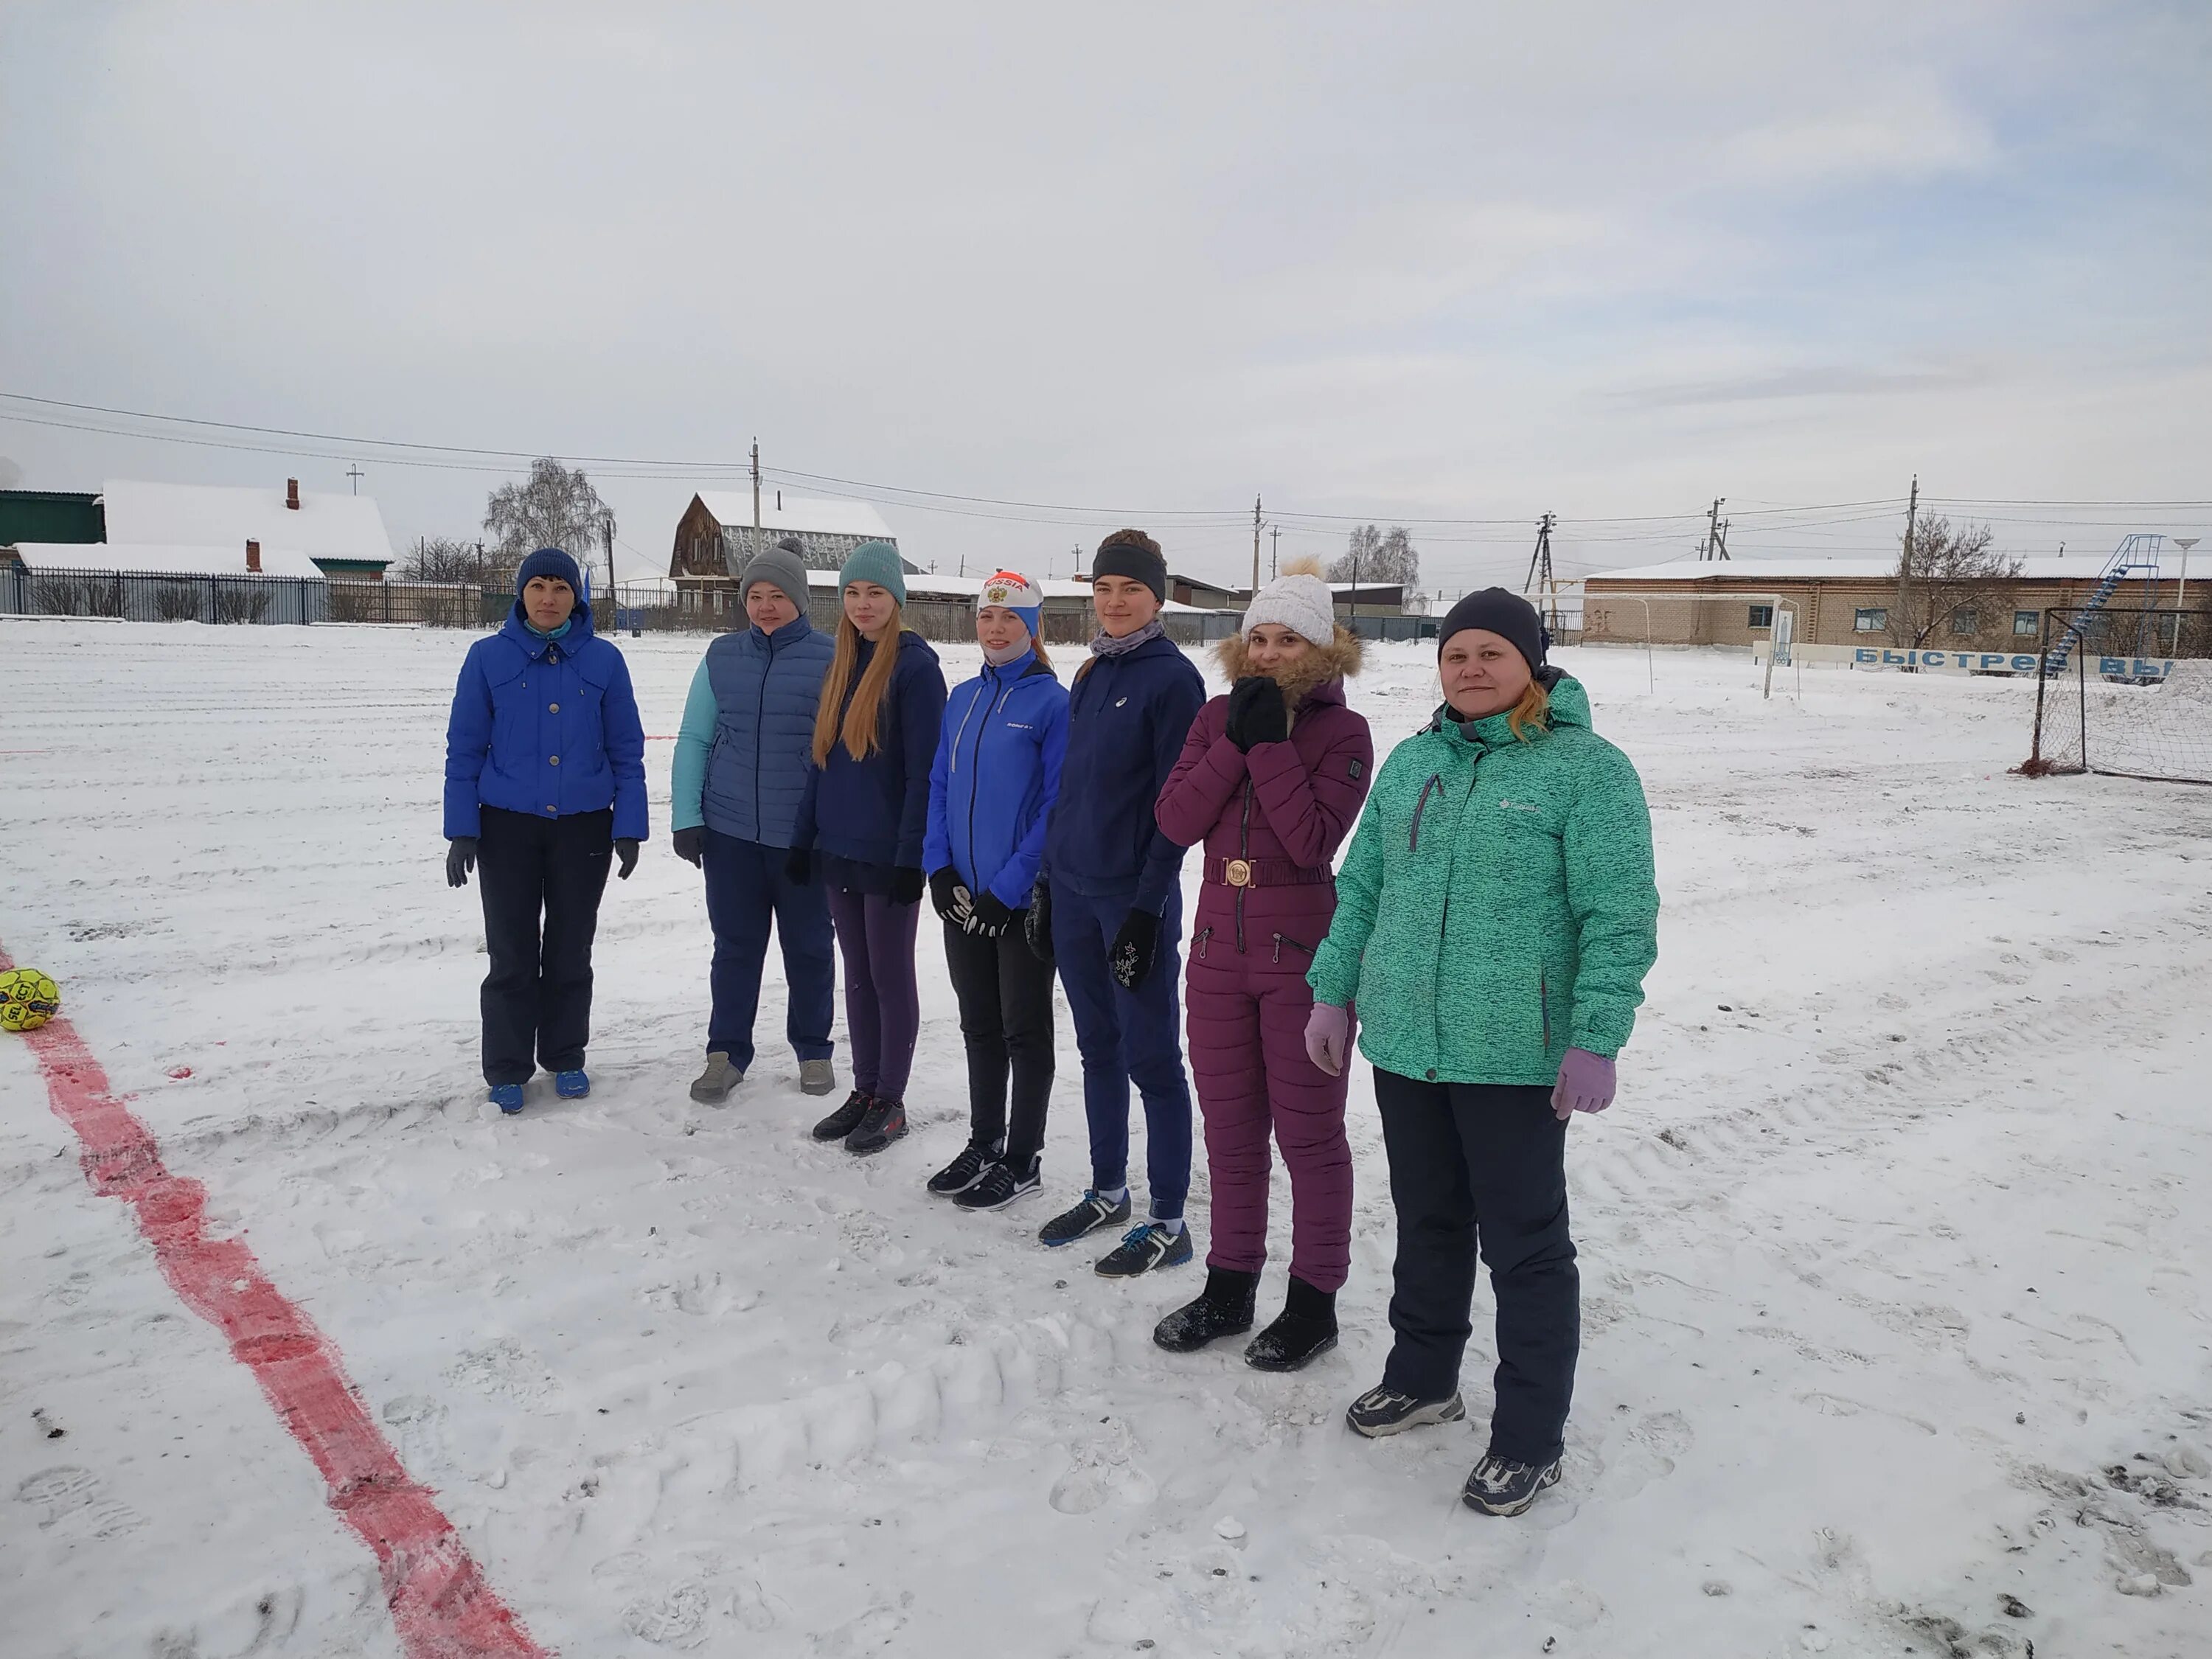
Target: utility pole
<point>754,551</point>
<point>1904,618</point>
<point>1715,543</point>
<point>1274,551</point>
<point>614,593</point>
<point>356,475</point>
<point>1255,544</point>
<point>1540,578</point>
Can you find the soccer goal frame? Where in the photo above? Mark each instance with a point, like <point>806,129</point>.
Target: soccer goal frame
<point>1782,632</point>
<point>2100,670</point>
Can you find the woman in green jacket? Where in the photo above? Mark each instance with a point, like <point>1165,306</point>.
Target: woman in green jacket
<point>1496,916</point>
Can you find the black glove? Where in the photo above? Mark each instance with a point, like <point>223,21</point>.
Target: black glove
<point>906,885</point>
<point>1037,929</point>
<point>1257,712</point>
<point>799,866</point>
<point>950,898</point>
<point>1135,949</point>
<point>625,855</point>
<point>992,916</point>
<point>690,846</point>
<point>460,859</point>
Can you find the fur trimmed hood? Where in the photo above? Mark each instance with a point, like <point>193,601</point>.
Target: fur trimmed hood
<point>1339,660</point>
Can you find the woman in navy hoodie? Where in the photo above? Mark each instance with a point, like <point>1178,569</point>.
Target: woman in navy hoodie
<point>544,783</point>
<point>990,792</point>
<point>859,830</point>
<point>1109,904</point>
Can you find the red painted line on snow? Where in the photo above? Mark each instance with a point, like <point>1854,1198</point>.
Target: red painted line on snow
<point>440,1604</point>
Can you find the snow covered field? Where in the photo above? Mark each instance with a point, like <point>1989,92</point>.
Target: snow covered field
<point>1897,1257</point>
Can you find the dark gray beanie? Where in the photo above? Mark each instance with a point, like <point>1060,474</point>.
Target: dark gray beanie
<point>782,566</point>
<point>1507,615</point>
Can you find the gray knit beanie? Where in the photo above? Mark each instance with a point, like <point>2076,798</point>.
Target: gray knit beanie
<point>780,567</point>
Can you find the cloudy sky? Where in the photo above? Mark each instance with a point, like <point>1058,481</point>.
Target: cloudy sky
<point>1459,265</point>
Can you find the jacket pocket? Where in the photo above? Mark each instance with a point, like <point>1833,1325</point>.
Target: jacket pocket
<point>1492,1022</point>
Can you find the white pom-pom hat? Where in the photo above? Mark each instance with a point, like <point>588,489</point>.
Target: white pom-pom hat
<point>1301,603</point>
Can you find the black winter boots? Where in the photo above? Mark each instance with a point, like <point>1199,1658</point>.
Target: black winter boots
<point>1222,1309</point>
<point>1304,1330</point>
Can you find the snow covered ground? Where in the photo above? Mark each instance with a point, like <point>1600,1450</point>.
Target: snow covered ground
<point>1895,1249</point>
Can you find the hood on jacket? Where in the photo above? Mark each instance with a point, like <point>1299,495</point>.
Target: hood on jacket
<point>1339,658</point>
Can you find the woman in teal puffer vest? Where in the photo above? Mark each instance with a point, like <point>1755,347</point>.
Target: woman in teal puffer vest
<point>1496,916</point>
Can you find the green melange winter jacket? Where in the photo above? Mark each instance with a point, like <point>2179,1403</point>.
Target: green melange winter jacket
<point>1496,906</point>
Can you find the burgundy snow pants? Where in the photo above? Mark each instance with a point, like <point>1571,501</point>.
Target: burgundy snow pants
<point>1247,1053</point>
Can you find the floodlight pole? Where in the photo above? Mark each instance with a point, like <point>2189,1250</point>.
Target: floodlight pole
<point>2181,594</point>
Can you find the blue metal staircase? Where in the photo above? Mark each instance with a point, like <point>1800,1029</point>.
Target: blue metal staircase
<point>2137,554</point>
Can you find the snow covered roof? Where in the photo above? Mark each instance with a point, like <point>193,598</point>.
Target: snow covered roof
<point>155,559</point>
<point>324,526</point>
<point>825,518</point>
<point>927,586</point>
<point>1752,572</point>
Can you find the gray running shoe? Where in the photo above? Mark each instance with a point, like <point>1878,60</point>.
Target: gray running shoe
<point>816,1077</point>
<point>1383,1411</point>
<point>714,1084</point>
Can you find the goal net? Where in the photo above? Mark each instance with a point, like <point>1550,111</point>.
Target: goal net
<point>2127,693</point>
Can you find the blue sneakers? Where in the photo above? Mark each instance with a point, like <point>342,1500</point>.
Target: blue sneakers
<point>571,1086</point>
<point>507,1097</point>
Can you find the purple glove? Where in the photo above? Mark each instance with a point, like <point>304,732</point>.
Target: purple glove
<point>1586,1082</point>
<point>1329,1038</point>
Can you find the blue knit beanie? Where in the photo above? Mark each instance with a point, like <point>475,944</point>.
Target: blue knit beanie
<point>550,562</point>
<point>876,562</point>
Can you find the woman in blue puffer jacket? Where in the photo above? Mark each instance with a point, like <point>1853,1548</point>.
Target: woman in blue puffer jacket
<point>740,773</point>
<point>544,784</point>
<point>990,795</point>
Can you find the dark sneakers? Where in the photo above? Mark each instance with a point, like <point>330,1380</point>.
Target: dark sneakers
<point>1143,1248</point>
<point>1222,1309</point>
<point>1088,1217</point>
<point>1305,1329</point>
<point>883,1122</point>
<point>964,1171</point>
<point>1000,1186</point>
<point>1498,1485</point>
<point>1383,1411</point>
<point>847,1118</point>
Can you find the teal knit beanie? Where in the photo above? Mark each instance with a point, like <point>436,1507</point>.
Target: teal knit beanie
<point>876,562</point>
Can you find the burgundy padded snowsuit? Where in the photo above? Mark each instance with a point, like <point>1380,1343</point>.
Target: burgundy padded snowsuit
<point>1284,809</point>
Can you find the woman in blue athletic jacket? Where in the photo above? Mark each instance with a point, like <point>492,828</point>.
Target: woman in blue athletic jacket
<point>990,792</point>
<point>1109,905</point>
<point>544,785</point>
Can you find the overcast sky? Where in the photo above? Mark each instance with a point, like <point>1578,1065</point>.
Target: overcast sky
<point>1464,261</point>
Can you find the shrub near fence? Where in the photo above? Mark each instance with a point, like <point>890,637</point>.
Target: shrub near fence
<point>155,596</point>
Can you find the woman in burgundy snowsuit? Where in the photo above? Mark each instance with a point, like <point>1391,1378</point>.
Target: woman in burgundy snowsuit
<point>1272,779</point>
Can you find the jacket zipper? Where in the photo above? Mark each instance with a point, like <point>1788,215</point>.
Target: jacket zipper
<point>975,768</point>
<point>1443,921</point>
<point>1243,851</point>
<point>1205,936</point>
<point>1413,841</point>
<point>759,715</point>
<point>1281,939</point>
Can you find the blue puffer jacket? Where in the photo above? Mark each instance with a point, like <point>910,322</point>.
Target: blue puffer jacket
<point>997,770</point>
<point>740,761</point>
<point>875,811</point>
<point>544,726</point>
<point>1126,719</point>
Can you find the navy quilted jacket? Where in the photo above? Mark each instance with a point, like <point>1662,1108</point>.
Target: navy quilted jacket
<point>741,754</point>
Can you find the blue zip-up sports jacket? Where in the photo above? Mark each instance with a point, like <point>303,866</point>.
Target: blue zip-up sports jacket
<point>991,788</point>
<point>544,726</point>
<point>876,811</point>
<point>740,760</point>
<point>1126,719</point>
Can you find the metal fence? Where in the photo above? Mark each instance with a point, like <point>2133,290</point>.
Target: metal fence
<point>152,596</point>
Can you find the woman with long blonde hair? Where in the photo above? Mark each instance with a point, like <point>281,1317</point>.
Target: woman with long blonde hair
<point>861,824</point>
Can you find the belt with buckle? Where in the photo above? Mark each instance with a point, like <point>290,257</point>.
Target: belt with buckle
<point>1265,873</point>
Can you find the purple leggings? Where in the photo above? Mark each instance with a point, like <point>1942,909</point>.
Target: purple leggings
<point>883,1008</point>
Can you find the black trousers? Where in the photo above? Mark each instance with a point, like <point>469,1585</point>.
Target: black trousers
<point>539,990</point>
<point>1005,1019</point>
<point>1483,1164</point>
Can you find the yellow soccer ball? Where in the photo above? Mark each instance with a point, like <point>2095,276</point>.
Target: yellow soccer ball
<point>27,1000</point>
